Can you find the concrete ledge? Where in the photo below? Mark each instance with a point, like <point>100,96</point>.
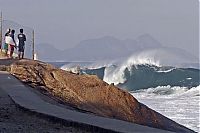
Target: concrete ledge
<point>83,126</point>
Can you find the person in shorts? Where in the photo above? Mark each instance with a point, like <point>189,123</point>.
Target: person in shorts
<point>6,41</point>
<point>21,46</point>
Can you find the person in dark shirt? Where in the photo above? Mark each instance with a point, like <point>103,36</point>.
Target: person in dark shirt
<point>21,46</point>
<point>13,44</point>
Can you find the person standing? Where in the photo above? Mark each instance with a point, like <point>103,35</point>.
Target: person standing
<point>12,43</point>
<point>21,46</point>
<point>6,41</point>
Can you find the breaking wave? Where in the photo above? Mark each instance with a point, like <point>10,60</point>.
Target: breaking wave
<point>147,69</point>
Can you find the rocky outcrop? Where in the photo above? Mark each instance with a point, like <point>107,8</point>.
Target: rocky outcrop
<point>89,93</point>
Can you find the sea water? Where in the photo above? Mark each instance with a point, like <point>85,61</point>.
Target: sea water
<point>180,104</point>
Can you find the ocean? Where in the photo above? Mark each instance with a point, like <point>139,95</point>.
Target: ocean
<point>170,90</point>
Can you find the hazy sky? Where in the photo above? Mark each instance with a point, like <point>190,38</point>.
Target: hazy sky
<point>64,23</point>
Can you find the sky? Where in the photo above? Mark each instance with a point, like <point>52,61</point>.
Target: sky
<point>64,23</point>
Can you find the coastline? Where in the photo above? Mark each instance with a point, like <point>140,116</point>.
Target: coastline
<point>61,104</point>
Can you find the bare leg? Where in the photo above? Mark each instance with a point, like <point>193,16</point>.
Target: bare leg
<point>19,54</point>
<point>11,51</point>
<point>6,52</point>
<point>22,55</point>
<point>11,54</point>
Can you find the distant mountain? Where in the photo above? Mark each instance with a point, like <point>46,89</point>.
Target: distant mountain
<point>108,47</point>
<point>104,48</point>
<point>98,49</point>
<point>48,52</point>
<point>142,42</point>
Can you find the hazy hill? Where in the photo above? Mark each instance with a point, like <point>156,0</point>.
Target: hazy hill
<point>48,52</point>
<point>98,49</point>
<point>107,47</point>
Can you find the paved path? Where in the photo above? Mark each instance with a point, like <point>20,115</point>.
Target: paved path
<point>25,98</point>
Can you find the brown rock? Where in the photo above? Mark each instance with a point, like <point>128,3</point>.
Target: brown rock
<point>89,93</point>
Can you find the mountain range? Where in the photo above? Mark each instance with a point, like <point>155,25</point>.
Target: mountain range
<point>104,48</point>
<point>107,47</point>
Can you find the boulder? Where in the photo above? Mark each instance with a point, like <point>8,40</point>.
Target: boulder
<point>91,94</point>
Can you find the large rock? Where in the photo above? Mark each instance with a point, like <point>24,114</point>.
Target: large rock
<point>89,93</point>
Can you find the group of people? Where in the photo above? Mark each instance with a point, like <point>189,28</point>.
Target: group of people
<point>10,43</point>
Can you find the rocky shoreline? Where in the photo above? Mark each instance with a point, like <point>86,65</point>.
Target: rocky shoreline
<point>88,93</point>
<point>91,94</point>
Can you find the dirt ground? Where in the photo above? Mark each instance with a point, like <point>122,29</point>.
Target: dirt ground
<point>15,120</point>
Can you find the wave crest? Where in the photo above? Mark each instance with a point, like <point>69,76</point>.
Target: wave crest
<point>153,57</point>
<point>168,91</point>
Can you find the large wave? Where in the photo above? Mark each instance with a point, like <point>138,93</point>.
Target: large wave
<point>149,68</point>
<point>154,57</point>
<point>145,76</point>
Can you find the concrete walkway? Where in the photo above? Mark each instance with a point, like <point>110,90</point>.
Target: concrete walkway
<point>24,97</point>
